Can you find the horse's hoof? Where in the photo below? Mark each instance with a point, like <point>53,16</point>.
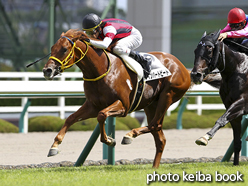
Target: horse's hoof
<point>126,140</point>
<point>53,152</point>
<point>202,141</point>
<point>113,142</point>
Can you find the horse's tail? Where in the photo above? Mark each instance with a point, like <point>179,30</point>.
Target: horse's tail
<point>212,79</point>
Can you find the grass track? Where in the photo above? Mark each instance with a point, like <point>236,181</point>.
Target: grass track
<point>118,175</point>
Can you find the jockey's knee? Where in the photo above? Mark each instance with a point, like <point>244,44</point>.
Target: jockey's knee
<point>119,50</point>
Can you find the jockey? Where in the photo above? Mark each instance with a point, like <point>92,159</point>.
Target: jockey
<point>236,27</point>
<point>111,30</point>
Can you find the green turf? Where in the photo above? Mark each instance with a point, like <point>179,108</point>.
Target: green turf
<point>123,175</point>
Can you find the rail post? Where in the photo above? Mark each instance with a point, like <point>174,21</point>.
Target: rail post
<point>111,132</point>
<point>91,142</point>
<point>109,151</point>
<point>185,102</point>
<point>51,22</point>
<point>244,149</point>
<point>180,113</point>
<point>23,121</point>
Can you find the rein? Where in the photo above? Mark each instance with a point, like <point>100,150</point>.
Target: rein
<point>102,76</point>
<point>223,58</point>
<point>71,55</point>
<point>235,43</point>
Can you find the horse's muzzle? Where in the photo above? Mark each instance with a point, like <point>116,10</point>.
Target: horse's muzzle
<point>196,77</point>
<point>49,73</point>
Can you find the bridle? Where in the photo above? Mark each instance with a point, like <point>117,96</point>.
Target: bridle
<point>212,63</point>
<point>65,63</point>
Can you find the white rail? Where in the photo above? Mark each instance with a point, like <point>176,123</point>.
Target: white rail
<point>34,83</point>
<point>199,106</point>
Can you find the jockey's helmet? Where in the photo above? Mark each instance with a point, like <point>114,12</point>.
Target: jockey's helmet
<point>91,22</point>
<point>236,15</point>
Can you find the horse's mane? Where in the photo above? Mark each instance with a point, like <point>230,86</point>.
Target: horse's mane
<point>232,43</point>
<point>75,34</point>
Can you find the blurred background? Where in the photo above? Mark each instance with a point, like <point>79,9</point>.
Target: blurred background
<point>173,26</point>
<point>29,28</point>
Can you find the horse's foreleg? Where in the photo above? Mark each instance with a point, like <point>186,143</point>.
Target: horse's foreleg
<point>234,111</point>
<point>236,125</point>
<point>116,109</point>
<point>160,142</point>
<point>84,112</point>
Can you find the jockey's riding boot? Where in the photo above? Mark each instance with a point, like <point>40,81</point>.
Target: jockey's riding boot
<point>143,61</point>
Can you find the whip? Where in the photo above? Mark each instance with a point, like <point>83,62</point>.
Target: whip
<point>30,64</point>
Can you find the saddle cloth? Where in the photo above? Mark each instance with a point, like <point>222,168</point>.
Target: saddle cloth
<point>158,70</point>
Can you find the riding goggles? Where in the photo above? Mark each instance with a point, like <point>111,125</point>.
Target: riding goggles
<point>235,25</point>
<point>91,31</point>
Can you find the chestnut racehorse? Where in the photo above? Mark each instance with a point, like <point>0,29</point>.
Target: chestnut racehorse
<point>109,87</point>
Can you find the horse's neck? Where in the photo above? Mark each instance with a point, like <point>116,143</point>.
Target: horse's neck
<point>229,60</point>
<point>94,63</point>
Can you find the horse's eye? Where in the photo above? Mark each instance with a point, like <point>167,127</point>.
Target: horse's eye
<point>210,49</point>
<point>64,50</point>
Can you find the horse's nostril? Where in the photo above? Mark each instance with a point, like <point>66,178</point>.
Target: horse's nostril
<point>49,70</point>
<point>198,75</point>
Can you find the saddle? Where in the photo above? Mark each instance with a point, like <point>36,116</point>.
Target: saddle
<point>158,70</point>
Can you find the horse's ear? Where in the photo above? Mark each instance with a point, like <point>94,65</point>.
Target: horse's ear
<point>83,36</point>
<point>216,36</point>
<point>204,34</point>
<point>62,34</point>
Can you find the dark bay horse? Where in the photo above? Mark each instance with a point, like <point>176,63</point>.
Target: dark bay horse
<point>110,87</point>
<point>233,66</point>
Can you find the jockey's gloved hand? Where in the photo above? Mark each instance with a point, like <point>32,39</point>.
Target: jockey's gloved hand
<point>222,36</point>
